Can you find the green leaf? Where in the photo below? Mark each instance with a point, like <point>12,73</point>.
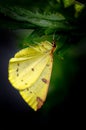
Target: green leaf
<point>78,8</point>
<point>68,3</point>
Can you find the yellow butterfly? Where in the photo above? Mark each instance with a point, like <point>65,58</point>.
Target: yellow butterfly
<point>30,72</point>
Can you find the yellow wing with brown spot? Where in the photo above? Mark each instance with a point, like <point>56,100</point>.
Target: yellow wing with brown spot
<point>35,95</point>
<point>21,74</point>
<point>29,72</point>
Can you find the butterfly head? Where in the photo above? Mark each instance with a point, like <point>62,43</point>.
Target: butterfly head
<point>53,46</point>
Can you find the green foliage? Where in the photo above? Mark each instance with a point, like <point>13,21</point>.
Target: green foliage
<point>50,16</point>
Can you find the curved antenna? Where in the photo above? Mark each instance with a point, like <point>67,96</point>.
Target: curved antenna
<point>54,36</point>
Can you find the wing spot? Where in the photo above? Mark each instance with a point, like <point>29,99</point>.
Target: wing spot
<point>17,70</point>
<point>40,102</point>
<point>48,65</point>
<point>17,74</point>
<point>17,64</point>
<point>27,89</point>
<point>44,80</point>
<point>32,69</point>
<point>22,80</point>
<point>42,45</point>
<point>25,83</point>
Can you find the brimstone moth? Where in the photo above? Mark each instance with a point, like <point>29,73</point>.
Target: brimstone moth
<point>29,71</point>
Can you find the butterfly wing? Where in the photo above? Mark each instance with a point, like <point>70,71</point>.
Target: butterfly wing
<point>29,72</point>
<point>31,51</point>
<point>23,72</point>
<point>27,65</point>
<point>35,95</point>
<point>28,52</point>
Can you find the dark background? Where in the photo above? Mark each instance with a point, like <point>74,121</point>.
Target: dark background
<point>15,111</point>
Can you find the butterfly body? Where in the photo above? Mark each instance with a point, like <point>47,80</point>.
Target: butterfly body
<point>30,72</point>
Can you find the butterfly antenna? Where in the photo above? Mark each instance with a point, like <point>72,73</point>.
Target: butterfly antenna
<point>54,36</point>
